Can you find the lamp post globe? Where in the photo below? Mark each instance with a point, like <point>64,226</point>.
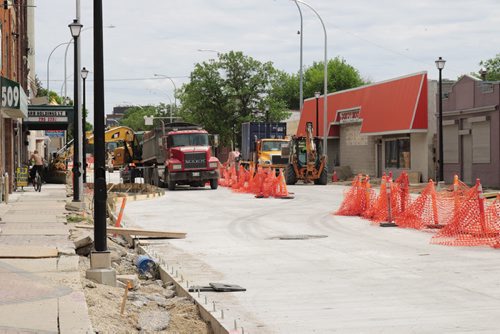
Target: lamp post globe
<point>76,28</point>
<point>440,62</point>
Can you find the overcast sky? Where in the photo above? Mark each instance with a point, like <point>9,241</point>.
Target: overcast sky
<point>383,39</point>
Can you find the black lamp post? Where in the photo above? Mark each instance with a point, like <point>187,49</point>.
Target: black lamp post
<point>440,65</point>
<point>75,29</point>
<point>317,95</point>
<point>100,193</point>
<point>84,72</point>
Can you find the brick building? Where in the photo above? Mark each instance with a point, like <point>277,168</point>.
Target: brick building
<point>14,71</point>
<point>471,131</point>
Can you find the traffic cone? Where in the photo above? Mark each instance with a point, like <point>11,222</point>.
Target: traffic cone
<point>334,177</point>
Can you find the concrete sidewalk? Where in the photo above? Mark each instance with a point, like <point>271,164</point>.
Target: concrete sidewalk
<point>39,295</point>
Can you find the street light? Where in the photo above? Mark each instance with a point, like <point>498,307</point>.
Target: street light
<point>301,72</point>
<point>317,95</point>
<point>48,64</point>
<point>66,57</point>
<point>325,106</point>
<point>440,65</point>
<point>75,29</point>
<point>173,83</point>
<point>84,72</point>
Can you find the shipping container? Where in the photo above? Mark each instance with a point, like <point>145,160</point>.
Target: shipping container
<point>253,131</point>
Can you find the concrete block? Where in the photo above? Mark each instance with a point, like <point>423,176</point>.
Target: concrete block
<point>68,263</point>
<point>102,276</point>
<point>133,279</point>
<point>83,240</point>
<point>100,260</point>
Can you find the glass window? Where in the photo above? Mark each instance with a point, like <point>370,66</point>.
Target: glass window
<point>189,139</point>
<point>397,153</point>
<point>272,145</point>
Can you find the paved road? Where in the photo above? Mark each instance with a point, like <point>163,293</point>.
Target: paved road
<point>359,278</point>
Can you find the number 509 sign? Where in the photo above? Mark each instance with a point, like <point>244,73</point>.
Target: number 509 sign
<point>10,96</point>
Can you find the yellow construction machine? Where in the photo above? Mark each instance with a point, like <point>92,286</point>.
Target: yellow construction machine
<point>307,161</point>
<point>127,149</point>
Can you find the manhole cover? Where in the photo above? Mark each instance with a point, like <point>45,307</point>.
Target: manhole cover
<point>299,237</point>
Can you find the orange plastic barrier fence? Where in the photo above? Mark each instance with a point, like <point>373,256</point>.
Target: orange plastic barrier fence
<point>473,224</point>
<point>358,198</point>
<point>262,182</point>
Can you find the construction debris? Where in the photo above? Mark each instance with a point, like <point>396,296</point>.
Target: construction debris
<point>139,232</point>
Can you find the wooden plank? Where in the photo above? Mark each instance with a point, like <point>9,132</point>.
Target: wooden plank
<point>139,232</point>
<point>27,252</point>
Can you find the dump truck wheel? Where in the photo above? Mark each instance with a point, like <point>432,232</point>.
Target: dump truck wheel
<point>214,183</point>
<point>290,177</point>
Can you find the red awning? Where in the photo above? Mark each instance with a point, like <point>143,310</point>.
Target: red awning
<point>393,106</point>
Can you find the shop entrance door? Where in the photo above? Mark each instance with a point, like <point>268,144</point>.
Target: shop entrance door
<point>467,158</point>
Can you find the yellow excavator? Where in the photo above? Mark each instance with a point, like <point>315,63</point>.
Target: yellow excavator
<point>127,149</point>
<point>307,161</point>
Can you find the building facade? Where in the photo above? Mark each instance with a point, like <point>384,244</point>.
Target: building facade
<point>388,126</point>
<point>471,131</point>
<point>14,71</point>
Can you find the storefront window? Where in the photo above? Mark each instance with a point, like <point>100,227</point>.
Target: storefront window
<point>397,153</point>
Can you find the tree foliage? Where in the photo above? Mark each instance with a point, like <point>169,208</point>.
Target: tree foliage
<point>492,67</point>
<point>341,76</point>
<point>134,116</point>
<point>230,90</point>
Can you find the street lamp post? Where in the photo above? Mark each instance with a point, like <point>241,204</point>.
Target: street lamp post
<point>48,65</point>
<point>75,29</point>
<point>317,95</point>
<point>84,73</point>
<point>65,61</point>
<point>325,74</point>
<point>173,83</point>
<point>440,65</point>
<point>301,72</point>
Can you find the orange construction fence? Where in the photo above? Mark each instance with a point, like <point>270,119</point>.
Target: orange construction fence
<point>474,223</point>
<point>262,182</point>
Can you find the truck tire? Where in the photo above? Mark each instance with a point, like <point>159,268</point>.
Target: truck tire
<point>323,178</point>
<point>290,177</point>
<point>155,180</point>
<point>170,183</point>
<point>214,183</point>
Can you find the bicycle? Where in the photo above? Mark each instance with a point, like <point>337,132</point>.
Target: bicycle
<point>37,182</point>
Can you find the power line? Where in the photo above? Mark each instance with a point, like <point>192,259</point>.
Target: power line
<point>123,79</point>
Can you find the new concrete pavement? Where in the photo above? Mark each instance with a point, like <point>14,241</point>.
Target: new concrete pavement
<point>349,276</point>
<point>39,295</point>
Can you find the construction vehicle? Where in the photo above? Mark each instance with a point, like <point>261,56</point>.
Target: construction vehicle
<point>178,153</point>
<point>307,161</point>
<point>122,147</point>
<point>261,145</point>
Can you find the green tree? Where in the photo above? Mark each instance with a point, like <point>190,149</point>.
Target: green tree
<point>230,90</point>
<point>134,116</point>
<point>492,67</point>
<point>341,76</point>
<point>53,96</point>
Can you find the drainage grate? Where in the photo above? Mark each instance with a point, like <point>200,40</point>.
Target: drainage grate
<point>299,237</point>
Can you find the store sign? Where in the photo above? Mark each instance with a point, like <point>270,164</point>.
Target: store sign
<point>351,116</point>
<point>13,99</point>
<point>47,116</point>
<point>54,133</point>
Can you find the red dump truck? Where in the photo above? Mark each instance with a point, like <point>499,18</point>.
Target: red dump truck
<point>178,154</point>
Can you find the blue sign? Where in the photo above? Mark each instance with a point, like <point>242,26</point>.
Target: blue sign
<point>54,133</point>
